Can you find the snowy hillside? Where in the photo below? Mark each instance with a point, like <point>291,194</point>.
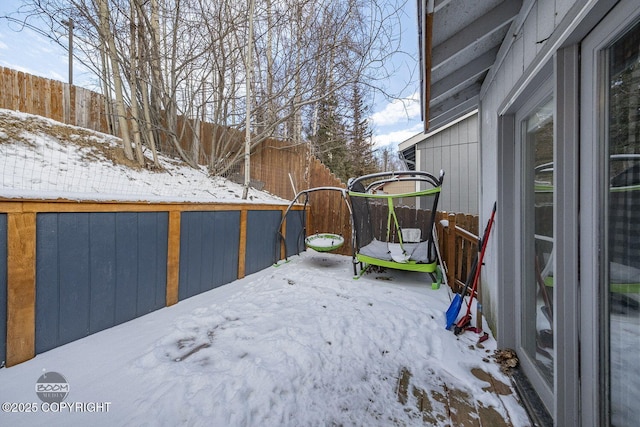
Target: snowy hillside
<point>44,159</point>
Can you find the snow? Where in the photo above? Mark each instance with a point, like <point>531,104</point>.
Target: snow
<point>298,344</point>
<point>301,344</point>
<point>38,163</point>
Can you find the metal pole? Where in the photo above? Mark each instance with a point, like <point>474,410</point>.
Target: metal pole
<point>70,24</point>
<point>247,138</point>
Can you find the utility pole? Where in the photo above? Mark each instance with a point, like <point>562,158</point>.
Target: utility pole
<point>249,72</point>
<point>69,23</point>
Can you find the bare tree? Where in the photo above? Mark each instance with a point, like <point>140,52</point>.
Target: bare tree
<point>107,40</point>
<point>185,69</point>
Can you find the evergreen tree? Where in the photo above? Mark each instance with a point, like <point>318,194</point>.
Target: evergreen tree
<point>361,158</point>
<point>328,141</point>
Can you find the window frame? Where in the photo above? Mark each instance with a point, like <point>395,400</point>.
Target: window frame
<point>594,162</point>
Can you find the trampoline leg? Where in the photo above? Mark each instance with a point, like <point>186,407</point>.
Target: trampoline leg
<point>363,269</point>
<point>437,278</point>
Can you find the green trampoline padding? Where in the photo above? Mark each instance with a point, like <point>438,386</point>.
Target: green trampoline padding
<point>409,266</point>
<point>324,242</point>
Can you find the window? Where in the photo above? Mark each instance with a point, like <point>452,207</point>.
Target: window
<point>537,238</point>
<point>527,237</point>
<point>623,226</point>
<point>610,217</point>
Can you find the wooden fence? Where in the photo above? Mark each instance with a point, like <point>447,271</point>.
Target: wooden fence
<point>74,268</point>
<point>276,166</point>
<point>458,244</point>
<point>59,101</point>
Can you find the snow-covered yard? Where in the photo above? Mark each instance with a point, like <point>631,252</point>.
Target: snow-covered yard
<point>302,344</point>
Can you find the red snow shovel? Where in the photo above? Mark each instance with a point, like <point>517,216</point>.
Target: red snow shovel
<point>466,319</point>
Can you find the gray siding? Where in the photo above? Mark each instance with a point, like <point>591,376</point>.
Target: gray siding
<point>261,239</point>
<point>3,288</point>
<point>454,150</point>
<point>97,270</point>
<point>209,243</point>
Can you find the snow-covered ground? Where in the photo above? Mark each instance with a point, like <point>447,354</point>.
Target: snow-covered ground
<point>301,344</point>
<point>44,159</point>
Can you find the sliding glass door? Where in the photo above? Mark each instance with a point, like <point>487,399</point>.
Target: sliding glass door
<point>610,201</point>
<point>623,225</point>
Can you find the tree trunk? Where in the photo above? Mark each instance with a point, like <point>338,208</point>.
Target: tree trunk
<point>133,86</point>
<point>249,73</point>
<point>107,37</point>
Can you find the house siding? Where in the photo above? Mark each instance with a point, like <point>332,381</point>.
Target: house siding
<point>545,34</point>
<point>456,151</point>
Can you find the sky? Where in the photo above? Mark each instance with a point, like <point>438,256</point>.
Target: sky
<point>392,121</point>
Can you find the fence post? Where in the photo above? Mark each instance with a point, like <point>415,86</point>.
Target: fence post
<point>283,241</point>
<point>21,287</point>
<point>452,257</point>
<point>173,258</point>
<point>242,249</point>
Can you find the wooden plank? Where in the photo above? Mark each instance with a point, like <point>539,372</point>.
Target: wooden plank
<point>57,112</point>
<point>283,230</point>
<point>242,249</point>
<point>450,257</point>
<point>261,239</point>
<point>226,228</point>
<point>102,271</point>
<point>173,258</point>
<point>72,105</point>
<point>21,287</point>
<point>126,256</point>
<point>152,258</point>
<point>48,285</point>
<point>75,278</point>
<point>60,205</point>
<point>15,206</point>
<point>20,95</point>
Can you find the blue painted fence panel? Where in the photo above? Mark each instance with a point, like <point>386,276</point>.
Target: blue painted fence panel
<point>3,288</point>
<point>261,239</point>
<point>209,244</point>
<point>295,237</point>
<point>97,270</point>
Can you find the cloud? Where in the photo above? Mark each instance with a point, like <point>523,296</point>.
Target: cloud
<point>398,111</point>
<point>395,137</point>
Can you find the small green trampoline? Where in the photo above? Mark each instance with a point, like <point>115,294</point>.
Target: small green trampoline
<point>324,242</point>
